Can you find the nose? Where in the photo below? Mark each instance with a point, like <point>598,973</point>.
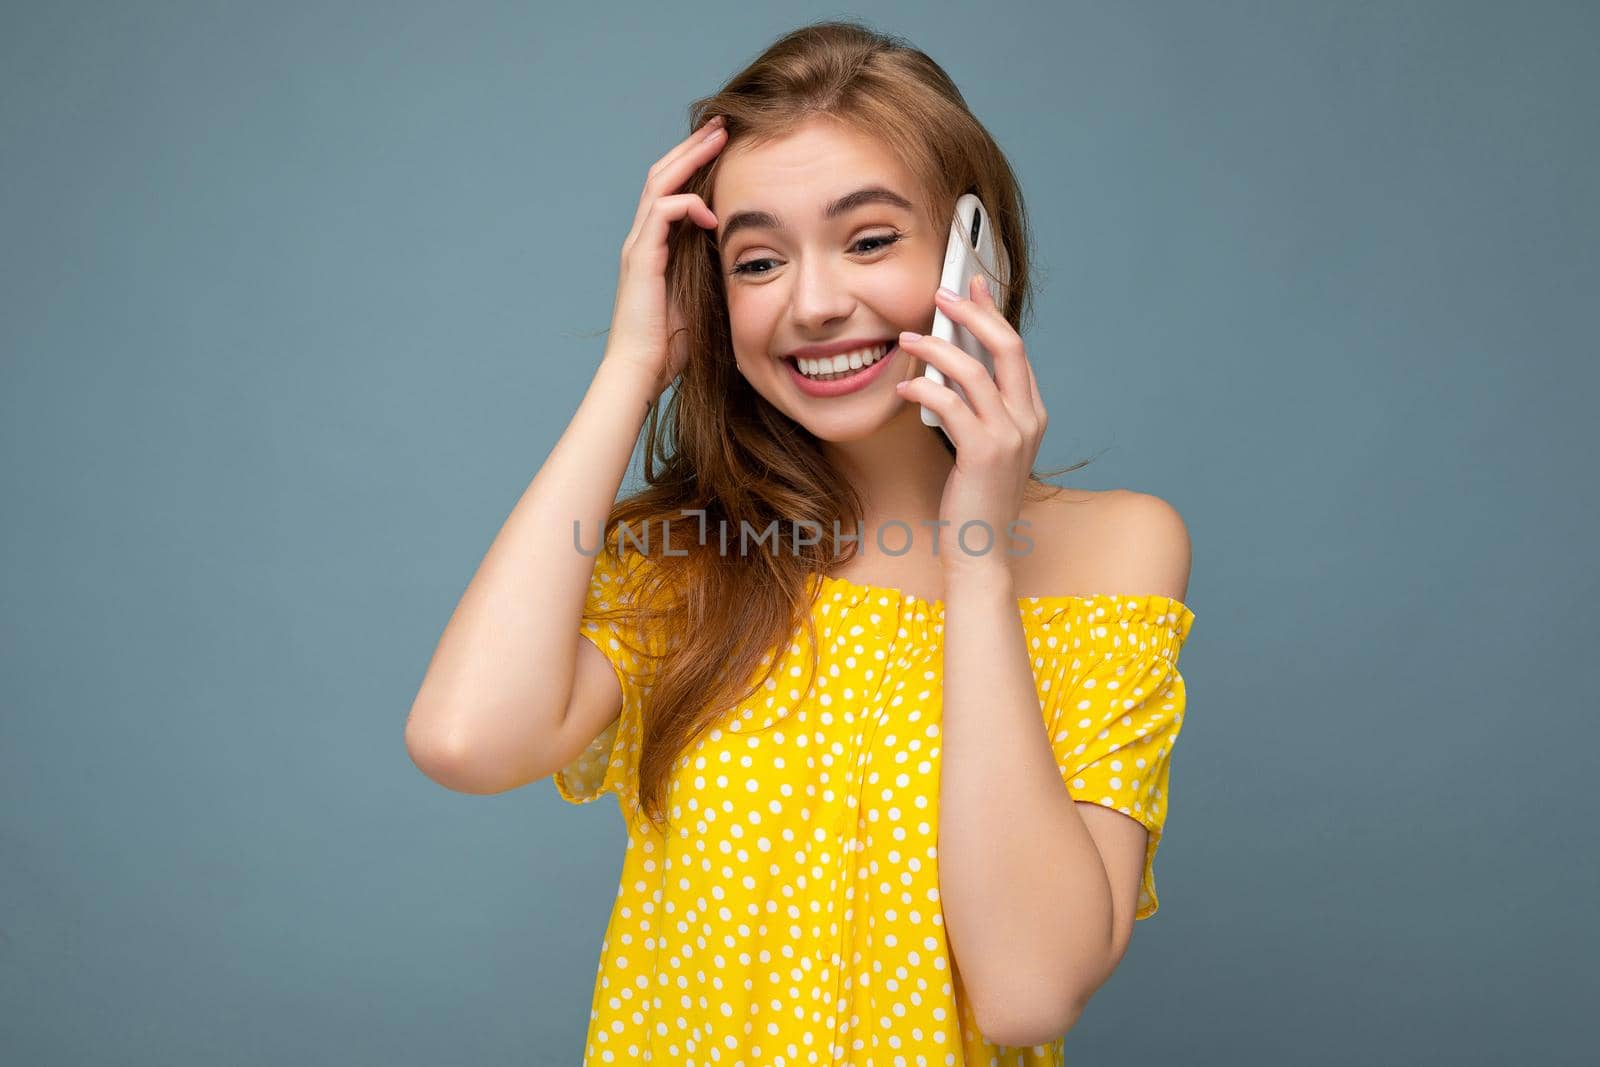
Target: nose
<point>821,296</point>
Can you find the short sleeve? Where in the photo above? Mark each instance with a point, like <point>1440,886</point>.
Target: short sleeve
<point>611,762</point>
<point>1114,703</point>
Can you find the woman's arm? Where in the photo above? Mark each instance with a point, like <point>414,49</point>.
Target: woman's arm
<point>1039,891</point>
<point>498,688</point>
<point>500,680</point>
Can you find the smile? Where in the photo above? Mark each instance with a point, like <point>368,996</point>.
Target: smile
<point>846,373</point>
<point>826,368</point>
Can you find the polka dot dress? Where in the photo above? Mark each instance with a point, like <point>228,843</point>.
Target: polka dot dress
<point>791,913</point>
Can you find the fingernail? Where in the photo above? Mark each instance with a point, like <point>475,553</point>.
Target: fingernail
<point>949,294</point>
<point>908,336</point>
<point>983,283</point>
<point>713,135</point>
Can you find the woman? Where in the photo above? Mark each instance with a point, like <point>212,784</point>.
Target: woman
<point>852,837</point>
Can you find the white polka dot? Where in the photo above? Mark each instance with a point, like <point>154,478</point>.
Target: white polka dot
<point>791,914</point>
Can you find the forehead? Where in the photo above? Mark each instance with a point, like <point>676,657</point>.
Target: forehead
<point>804,169</point>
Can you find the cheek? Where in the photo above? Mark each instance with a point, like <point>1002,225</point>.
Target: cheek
<point>751,323</point>
<point>908,296</point>
<point>749,342</point>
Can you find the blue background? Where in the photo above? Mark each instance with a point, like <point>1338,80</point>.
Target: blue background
<point>296,298</point>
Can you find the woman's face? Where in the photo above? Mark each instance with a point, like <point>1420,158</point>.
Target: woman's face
<point>796,277</point>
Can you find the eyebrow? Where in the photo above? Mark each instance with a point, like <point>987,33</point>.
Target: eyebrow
<point>765,220</point>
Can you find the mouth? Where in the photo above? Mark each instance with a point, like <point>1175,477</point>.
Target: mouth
<point>840,368</point>
<point>861,369</point>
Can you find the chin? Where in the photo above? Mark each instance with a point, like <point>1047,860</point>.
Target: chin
<point>846,434</point>
<point>863,425</point>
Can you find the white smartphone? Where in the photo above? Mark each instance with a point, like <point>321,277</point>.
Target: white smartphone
<point>974,248</point>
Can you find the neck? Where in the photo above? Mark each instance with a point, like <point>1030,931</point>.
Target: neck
<point>900,474</point>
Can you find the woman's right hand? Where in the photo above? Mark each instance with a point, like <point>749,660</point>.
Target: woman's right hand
<point>644,330</point>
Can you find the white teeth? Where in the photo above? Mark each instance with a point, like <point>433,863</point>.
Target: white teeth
<point>847,361</point>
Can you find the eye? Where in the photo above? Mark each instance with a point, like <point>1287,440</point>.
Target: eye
<point>877,243</point>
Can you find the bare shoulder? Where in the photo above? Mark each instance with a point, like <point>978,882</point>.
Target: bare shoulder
<point>1148,550</point>
<point>1118,541</point>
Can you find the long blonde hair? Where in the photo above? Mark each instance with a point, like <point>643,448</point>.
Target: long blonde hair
<point>716,446</point>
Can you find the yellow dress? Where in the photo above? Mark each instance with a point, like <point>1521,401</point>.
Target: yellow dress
<point>791,913</point>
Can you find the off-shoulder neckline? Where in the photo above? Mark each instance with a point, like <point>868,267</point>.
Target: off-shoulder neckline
<point>937,606</point>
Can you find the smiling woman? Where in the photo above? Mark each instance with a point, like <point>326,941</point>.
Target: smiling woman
<point>853,807</point>
<point>757,861</point>
<point>800,265</point>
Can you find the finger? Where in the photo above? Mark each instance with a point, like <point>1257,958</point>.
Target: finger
<point>985,299</point>
<point>664,212</point>
<point>676,171</point>
<point>964,369</point>
<point>959,421</point>
<point>688,144</point>
<point>994,332</point>
<point>672,170</point>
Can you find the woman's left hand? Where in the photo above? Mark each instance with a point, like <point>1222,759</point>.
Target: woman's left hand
<point>996,438</point>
